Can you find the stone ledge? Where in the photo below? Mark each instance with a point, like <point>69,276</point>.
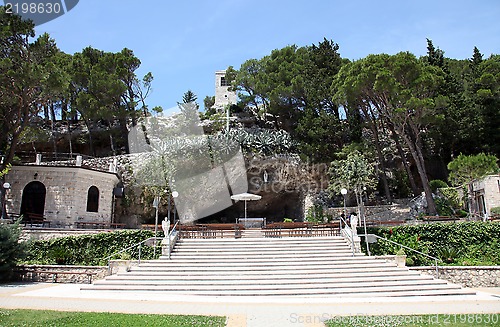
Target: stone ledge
<point>467,276</point>
<point>30,273</point>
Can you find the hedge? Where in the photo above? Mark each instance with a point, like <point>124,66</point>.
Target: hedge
<point>89,250</point>
<point>463,243</point>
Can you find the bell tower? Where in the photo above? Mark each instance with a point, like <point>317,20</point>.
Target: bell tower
<point>223,96</point>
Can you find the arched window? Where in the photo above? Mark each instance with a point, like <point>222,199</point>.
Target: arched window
<point>93,199</point>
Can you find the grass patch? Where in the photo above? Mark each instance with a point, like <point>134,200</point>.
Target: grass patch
<point>441,320</point>
<point>35,318</point>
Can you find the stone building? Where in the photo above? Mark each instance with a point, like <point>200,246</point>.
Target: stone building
<point>223,96</point>
<point>487,194</point>
<point>64,195</point>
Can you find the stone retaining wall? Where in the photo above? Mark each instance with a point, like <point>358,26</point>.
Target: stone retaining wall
<point>467,276</point>
<point>72,274</point>
<point>399,212</point>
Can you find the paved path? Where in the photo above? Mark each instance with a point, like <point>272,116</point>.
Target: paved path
<point>241,311</point>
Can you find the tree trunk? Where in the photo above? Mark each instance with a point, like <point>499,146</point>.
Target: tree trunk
<point>374,128</point>
<point>52,122</point>
<point>45,113</point>
<point>70,141</point>
<point>52,111</point>
<point>382,164</point>
<point>91,142</point>
<point>112,142</point>
<point>123,127</point>
<point>418,158</point>
<point>64,111</point>
<point>402,155</point>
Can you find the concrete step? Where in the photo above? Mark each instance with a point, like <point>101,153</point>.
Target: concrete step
<point>249,259</point>
<point>182,286</point>
<point>307,267</point>
<point>163,275</point>
<point>376,276</point>
<point>252,233</point>
<point>261,267</point>
<point>293,258</point>
<point>365,291</point>
<point>267,264</point>
<point>275,241</point>
<point>323,272</point>
<point>141,280</point>
<point>262,247</point>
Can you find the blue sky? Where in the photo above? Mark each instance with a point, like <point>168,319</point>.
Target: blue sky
<point>184,42</point>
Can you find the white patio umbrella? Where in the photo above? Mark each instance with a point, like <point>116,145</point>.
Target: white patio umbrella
<point>246,197</point>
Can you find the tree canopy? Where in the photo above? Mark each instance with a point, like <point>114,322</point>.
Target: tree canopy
<point>415,113</point>
<point>464,169</point>
<point>37,80</point>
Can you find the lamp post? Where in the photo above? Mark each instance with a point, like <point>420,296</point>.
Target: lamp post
<point>175,194</point>
<point>343,192</point>
<point>362,212</point>
<point>156,205</point>
<point>5,187</point>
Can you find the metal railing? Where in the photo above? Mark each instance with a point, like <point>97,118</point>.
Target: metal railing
<point>170,245</point>
<point>348,233</point>
<point>169,238</point>
<point>132,247</point>
<point>278,230</point>
<point>416,251</point>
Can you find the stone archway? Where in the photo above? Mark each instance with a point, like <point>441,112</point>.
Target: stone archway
<point>33,200</point>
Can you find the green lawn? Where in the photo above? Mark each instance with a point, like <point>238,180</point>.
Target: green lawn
<point>32,318</point>
<point>453,320</point>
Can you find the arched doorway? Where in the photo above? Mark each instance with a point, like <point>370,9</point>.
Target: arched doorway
<point>93,199</point>
<point>33,199</point>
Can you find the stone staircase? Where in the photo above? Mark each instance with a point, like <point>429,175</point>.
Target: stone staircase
<point>307,267</point>
<point>252,233</point>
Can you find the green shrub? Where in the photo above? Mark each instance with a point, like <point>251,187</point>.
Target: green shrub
<point>437,183</point>
<point>89,250</point>
<point>443,207</point>
<point>401,251</point>
<point>471,243</point>
<point>495,211</point>
<point>11,250</point>
<point>60,255</point>
<point>452,197</point>
<point>288,220</point>
<point>448,254</point>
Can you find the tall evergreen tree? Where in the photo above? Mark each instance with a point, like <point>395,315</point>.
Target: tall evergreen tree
<point>24,79</point>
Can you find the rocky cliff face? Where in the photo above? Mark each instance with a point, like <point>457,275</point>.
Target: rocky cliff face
<point>281,180</point>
